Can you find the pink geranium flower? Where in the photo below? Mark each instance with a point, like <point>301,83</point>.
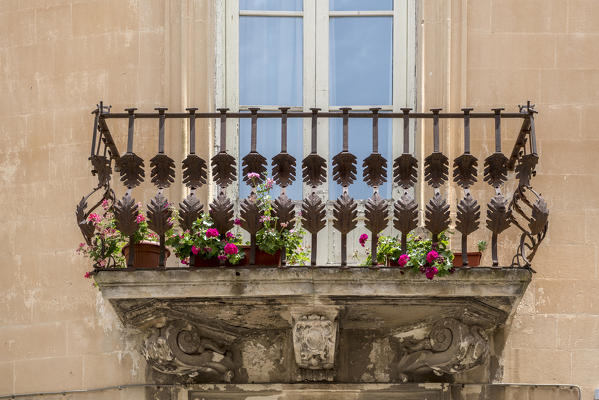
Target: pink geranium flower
<point>431,256</point>
<point>431,272</point>
<point>403,260</point>
<point>212,232</point>
<point>237,221</point>
<point>363,238</point>
<point>229,235</point>
<point>87,275</point>
<point>94,217</point>
<point>140,218</point>
<point>194,249</point>
<point>222,257</point>
<point>230,248</point>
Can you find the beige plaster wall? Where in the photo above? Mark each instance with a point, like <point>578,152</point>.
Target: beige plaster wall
<point>490,53</point>
<point>57,59</point>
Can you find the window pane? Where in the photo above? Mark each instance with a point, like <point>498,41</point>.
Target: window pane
<point>270,61</point>
<point>271,5</point>
<point>269,144</point>
<point>360,145</point>
<point>361,5</point>
<point>361,55</point>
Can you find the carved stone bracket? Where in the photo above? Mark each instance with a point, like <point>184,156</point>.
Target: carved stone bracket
<point>180,348</point>
<point>314,342</point>
<point>450,347</point>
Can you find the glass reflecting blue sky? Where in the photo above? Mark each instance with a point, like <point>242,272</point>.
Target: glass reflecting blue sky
<point>270,61</point>
<point>271,5</point>
<point>360,5</point>
<point>361,56</point>
<point>360,144</point>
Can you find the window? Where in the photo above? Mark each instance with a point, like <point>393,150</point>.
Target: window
<point>317,53</point>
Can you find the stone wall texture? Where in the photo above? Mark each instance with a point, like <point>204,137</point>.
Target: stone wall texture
<point>59,57</point>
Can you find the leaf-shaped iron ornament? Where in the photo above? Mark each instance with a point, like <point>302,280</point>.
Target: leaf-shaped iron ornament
<point>250,215</point>
<point>125,214</point>
<point>131,168</point>
<point>190,209</point>
<point>314,169</point>
<point>405,170</point>
<point>162,170</point>
<point>468,216</point>
<point>498,220</point>
<point>86,227</point>
<point>375,169</point>
<point>223,169</point>
<point>406,218</point>
<point>159,215</point>
<point>102,169</point>
<point>313,214</point>
<point>498,214</point>
<point>313,220</point>
<point>344,168</point>
<point>540,214</point>
<point>345,215</point>
<point>437,215</point>
<point>525,168</point>
<point>376,214</point>
<point>436,169</point>
<point>464,170</point>
<point>495,173</point>
<point>195,171</point>
<point>253,162</point>
<point>284,211</point>
<point>221,212</point>
<point>283,169</point>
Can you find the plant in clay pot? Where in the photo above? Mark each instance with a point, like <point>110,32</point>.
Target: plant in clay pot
<point>422,256</point>
<point>273,236</point>
<point>108,247</point>
<point>204,246</point>
<point>473,257</point>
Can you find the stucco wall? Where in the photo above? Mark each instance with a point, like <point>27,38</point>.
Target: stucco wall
<point>501,53</point>
<point>57,59</point>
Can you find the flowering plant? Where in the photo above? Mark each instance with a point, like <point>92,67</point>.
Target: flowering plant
<point>274,236</point>
<point>203,240</point>
<point>106,245</point>
<point>422,255</point>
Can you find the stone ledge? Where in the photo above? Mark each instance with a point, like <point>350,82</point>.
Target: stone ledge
<point>302,281</point>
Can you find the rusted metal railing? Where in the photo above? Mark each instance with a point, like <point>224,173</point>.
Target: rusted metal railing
<point>526,209</point>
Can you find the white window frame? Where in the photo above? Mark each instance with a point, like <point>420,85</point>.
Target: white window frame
<point>316,83</point>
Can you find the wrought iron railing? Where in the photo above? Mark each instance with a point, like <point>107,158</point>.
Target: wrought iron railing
<point>526,209</point>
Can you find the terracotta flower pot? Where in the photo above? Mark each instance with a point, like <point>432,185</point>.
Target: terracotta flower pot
<point>146,254</point>
<point>473,259</point>
<point>263,259</point>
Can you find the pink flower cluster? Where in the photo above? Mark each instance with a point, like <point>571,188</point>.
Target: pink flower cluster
<point>212,232</point>
<point>230,248</point>
<point>363,238</point>
<point>431,256</point>
<point>140,218</point>
<point>93,217</point>
<point>253,175</point>
<point>430,272</point>
<point>403,260</point>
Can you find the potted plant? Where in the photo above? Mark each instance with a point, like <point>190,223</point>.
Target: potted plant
<point>474,257</point>
<point>109,248</point>
<point>204,246</point>
<point>273,237</point>
<point>422,256</point>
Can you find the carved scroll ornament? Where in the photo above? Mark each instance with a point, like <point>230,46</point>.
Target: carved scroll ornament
<point>451,347</point>
<point>179,349</point>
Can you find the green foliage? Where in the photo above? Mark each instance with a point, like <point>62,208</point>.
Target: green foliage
<point>204,241</point>
<point>272,237</point>
<point>482,246</point>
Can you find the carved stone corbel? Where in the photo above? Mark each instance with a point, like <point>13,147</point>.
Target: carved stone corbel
<point>450,347</point>
<point>314,342</point>
<point>179,348</point>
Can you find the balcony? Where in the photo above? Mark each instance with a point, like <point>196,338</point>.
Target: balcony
<point>322,323</point>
